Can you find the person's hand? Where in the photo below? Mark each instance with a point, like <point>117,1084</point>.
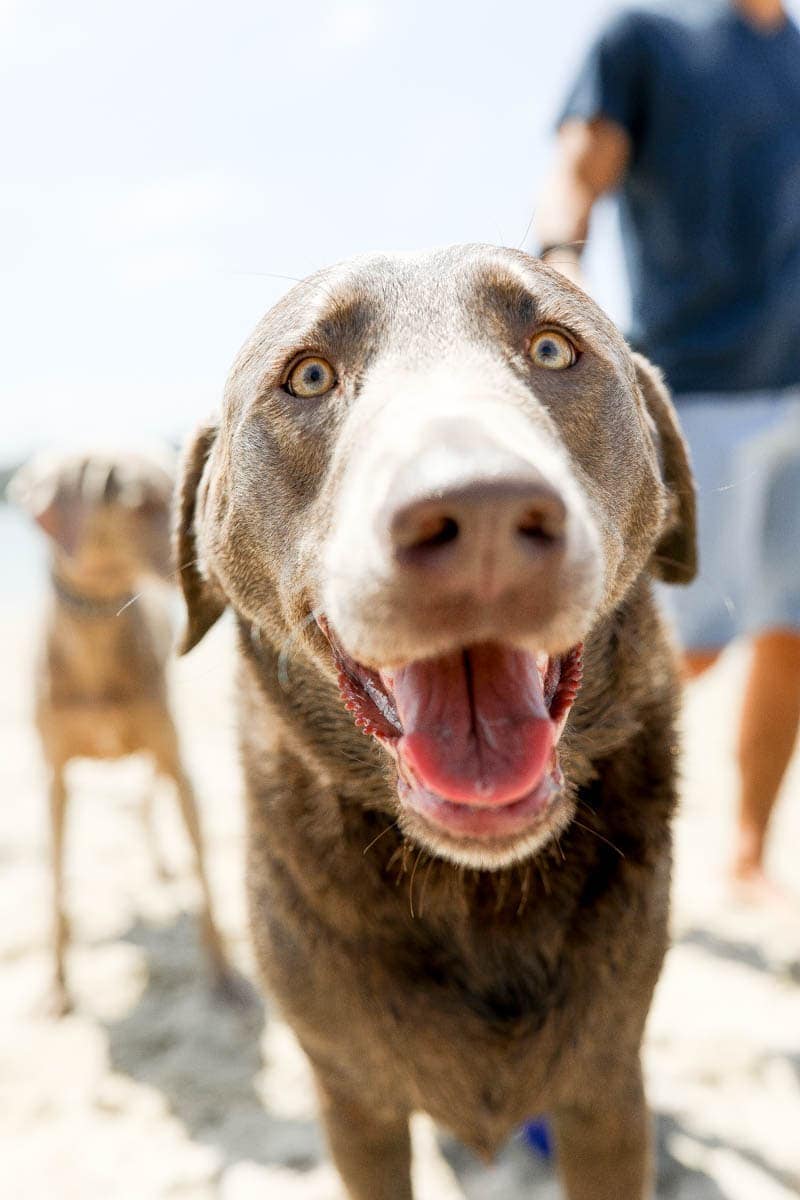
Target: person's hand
<point>566,259</point>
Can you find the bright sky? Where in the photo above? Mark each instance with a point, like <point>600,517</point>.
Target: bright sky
<point>163,161</point>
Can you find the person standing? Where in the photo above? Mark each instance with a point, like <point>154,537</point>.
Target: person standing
<point>692,114</point>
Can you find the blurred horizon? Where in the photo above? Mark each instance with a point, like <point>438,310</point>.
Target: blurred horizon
<point>169,170</point>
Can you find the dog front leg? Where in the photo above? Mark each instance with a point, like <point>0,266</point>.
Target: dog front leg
<point>59,1002</point>
<point>162,871</point>
<point>372,1153</point>
<point>229,984</point>
<point>604,1146</point>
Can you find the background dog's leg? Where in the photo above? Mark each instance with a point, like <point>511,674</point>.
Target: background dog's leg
<point>372,1156</point>
<point>229,983</point>
<point>603,1149</point>
<point>188,808</point>
<point>151,837</point>
<point>59,1001</point>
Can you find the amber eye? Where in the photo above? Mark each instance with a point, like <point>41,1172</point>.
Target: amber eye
<point>552,351</point>
<point>311,377</point>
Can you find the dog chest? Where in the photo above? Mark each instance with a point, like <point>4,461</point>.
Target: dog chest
<point>416,1027</point>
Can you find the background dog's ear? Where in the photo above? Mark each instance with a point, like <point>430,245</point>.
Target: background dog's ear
<point>155,484</point>
<point>675,557</point>
<point>48,488</point>
<point>205,602</point>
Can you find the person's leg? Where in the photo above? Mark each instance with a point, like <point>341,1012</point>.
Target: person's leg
<point>705,614</point>
<point>767,736</point>
<point>696,662</point>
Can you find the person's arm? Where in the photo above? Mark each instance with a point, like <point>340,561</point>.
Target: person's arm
<point>591,159</point>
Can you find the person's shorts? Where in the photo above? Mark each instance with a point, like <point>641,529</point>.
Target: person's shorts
<point>746,459</point>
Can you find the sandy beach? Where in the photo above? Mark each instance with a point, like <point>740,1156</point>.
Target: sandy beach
<point>151,1090</point>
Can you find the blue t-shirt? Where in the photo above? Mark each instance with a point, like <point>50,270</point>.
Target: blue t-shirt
<point>710,205</point>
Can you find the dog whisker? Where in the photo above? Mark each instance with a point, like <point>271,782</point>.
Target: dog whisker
<point>528,228</point>
<point>543,869</point>
<point>425,884</point>
<point>171,577</point>
<point>729,487</point>
<point>728,601</point>
<point>411,884</point>
<point>525,887</point>
<point>128,603</point>
<point>600,836</point>
<point>382,833</point>
<point>267,275</point>
<point>501,891</point>
<point>399,853</point>
<point>286,649</point>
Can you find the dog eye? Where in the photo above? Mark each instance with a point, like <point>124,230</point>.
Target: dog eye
<point>552,351</point>
<point>311,377</point>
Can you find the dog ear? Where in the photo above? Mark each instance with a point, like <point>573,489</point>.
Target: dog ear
<point>156,479</point>
<point>48,488</point>
<point>156,491</point>
<point>675,557</point>
<point>145,485</point>
<point>142,482</point>
<point>205,602</point>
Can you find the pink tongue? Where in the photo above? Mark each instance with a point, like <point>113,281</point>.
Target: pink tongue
<point>476,727</point>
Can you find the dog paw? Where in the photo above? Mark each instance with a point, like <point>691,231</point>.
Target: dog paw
<point>56,1004</point>
<point>163,873</point>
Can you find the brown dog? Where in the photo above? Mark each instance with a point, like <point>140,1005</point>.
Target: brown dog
<point>101,688</point>
<point>439,488</point>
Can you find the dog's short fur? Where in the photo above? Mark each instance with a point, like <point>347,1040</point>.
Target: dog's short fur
<point>480,978</point>
<point>101,689</point>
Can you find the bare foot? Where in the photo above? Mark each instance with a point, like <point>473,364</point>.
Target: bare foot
<point>752,886</point>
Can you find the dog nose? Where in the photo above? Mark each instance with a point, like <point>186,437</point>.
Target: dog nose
<point>487,530</point>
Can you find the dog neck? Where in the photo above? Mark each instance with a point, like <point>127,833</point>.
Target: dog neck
<point>84,605</point>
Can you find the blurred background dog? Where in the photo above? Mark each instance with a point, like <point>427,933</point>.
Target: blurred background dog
<point>101,687</point>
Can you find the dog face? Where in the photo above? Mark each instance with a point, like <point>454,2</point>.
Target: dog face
<point>436,473</point>
<point>106,513</point>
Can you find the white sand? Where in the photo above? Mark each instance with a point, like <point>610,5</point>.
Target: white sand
<point>150,1090</point>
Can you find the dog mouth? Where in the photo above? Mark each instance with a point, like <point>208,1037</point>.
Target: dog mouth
<point>474,732</point>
